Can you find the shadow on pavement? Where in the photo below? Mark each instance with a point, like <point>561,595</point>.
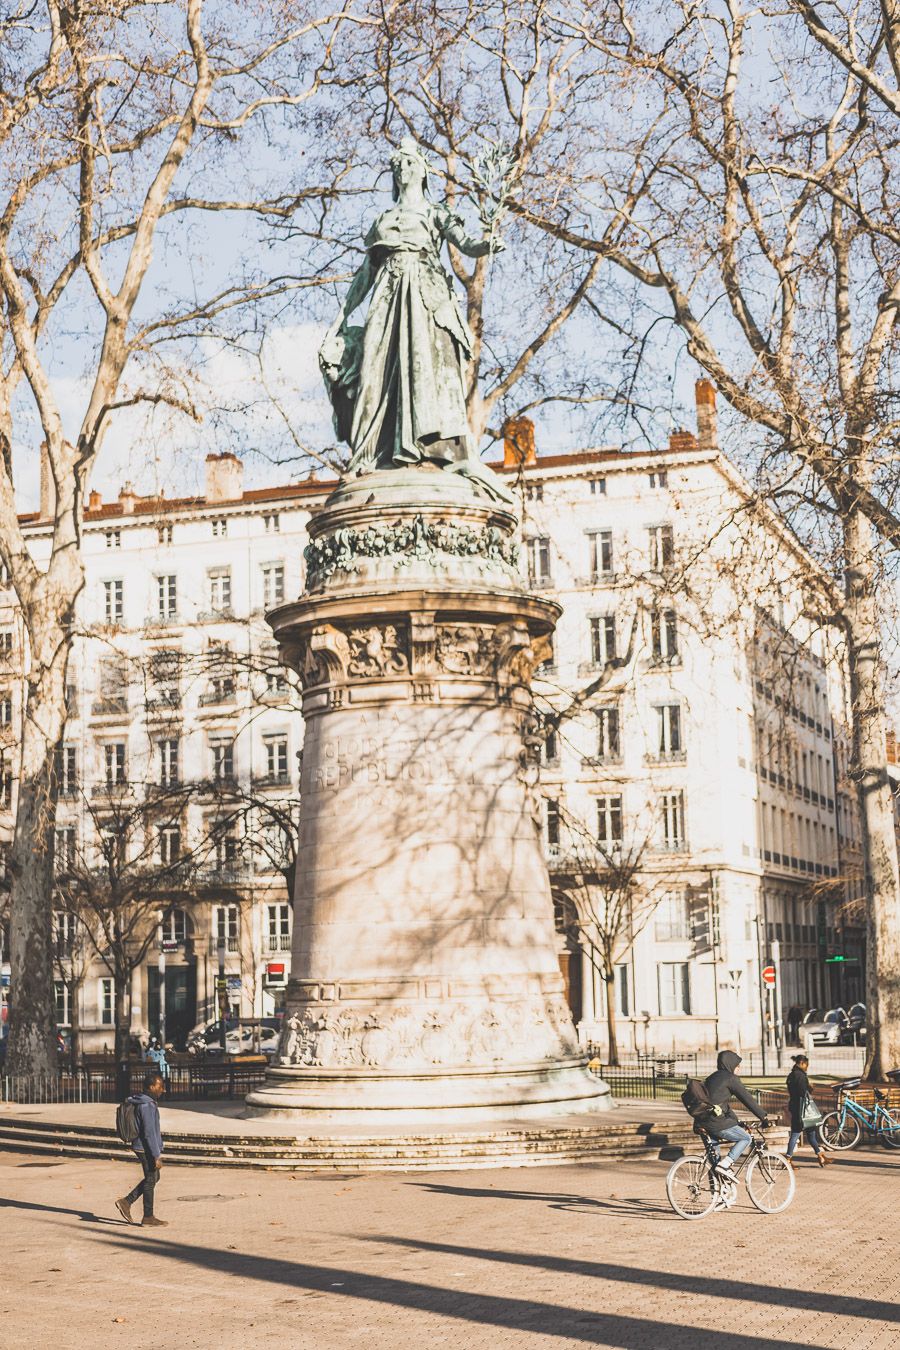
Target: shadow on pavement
<point>650,1209</point>
<point>576,1325</point>
<point>85,1215</point>
<point>704,1286</point>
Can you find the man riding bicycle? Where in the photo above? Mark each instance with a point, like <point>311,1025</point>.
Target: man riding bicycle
<point>722,1086</point>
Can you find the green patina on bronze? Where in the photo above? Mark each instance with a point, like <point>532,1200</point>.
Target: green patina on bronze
<point>398,384</point>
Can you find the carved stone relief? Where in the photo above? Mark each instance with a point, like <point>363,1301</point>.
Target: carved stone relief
<point>407,541</point>
<point>377,651</point>
<point>465,649</point>
<point>412,1037</point>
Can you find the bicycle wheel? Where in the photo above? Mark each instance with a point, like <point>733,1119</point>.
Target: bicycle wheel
<point>839,1131</point>
<point>690,1187</point>
<point>889,1132</point>
<point>770,1182</point>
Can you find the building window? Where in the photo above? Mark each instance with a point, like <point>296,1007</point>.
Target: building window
<point>114,763</point>
<point>222,760</point>
<point>538,553</point>
<point>113,538</point>
<point>608,742</point>
<point>279,925</point>
<point>66,771</point>
<point>169,844</point>
<point>662,547</point>
<point>669,744</point>
<point>64,925</point>
<point>106,1001</point>
<point>113,601</point>
<point>167,596</point>
<point>600,554</point>
<point>603,639</point>
<point>220,526</point>
<point>174,927</point>
<point>276,681</point>
<point>6,642</point>
<point>63,1007</point>
<point>664,634</point>
<point>598,487</point>
<point>6,785</point>
<point>113,686</point>
<point>609,822</point>
<point>220,590</point>
<point>221,678</point>
<point>674,988</point>
<point>273,584</point>
<point>623,999</point>
<point>672,922</point>
<point>552,821</point>
<point>277,759</point>
<point>164,534</point>
<point>168,762</point>
<point>64,848</point>
<point>672,811</point>
<point>6,710</point>
<point>226,927</point>
<point>165,671</point>
<point>272,523</point>
<point>550,746</point>
<point>660,479</point>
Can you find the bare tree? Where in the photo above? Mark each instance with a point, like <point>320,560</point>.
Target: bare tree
<point>104,107</point>
<point>764,228</point>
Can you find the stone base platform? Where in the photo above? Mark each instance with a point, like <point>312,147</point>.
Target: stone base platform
<point>222,1138</point>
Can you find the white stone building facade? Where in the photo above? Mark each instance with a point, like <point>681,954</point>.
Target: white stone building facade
<point>700,734</point>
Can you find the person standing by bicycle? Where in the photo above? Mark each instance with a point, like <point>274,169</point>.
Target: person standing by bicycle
<point>724,1128</point>
<point>801,1102</point>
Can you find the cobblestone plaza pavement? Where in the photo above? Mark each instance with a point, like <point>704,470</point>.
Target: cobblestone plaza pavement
<point>533,1258</point>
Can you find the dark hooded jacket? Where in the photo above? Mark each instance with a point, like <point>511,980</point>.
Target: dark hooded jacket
<point>722,1086</point>
<point>798,1090</point>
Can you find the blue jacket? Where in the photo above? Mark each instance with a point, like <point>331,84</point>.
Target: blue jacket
<point>149,1138</point>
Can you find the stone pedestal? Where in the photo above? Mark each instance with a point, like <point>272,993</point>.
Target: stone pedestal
<point>425,983</point>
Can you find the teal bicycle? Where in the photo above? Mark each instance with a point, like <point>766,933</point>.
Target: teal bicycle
<point>843,1128</point>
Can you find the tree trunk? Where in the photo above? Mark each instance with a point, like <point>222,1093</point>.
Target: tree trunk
<point>32,1037</point>
<point>613,1051</point>
<point>75,1025</point>
<point>123,1013</point>
<point>882,882</point>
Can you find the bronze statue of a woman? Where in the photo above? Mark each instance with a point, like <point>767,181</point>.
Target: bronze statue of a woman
<point>397,385</point>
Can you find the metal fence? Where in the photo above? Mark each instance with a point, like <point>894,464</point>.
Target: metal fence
<point>203,1081</point>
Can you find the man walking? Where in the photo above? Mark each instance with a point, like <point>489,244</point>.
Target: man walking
<point>148,1146</point>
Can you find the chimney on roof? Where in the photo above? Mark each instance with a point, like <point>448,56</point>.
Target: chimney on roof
<point>518,442</point>
<point>707,419</point>
<point>224,478</point>
<point>94,501</point>
<point>682,440</point>
<point>127,499</point>
<point>48,487</point>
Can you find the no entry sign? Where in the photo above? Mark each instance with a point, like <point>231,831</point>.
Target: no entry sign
<point>769,976</point>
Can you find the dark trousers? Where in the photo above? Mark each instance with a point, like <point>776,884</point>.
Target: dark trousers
<point>146,1185</point>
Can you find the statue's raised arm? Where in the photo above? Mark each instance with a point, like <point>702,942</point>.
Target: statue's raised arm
<point>397,384</point>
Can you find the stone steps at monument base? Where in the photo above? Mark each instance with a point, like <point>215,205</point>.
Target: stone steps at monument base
<point>527,1147</point>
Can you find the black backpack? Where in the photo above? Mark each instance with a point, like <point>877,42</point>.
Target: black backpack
<point>127,1121</point>
<point>697,1101</point>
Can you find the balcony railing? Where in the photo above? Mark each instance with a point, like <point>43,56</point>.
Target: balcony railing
<point>116,788</point>
<point>264,780</point>
<point>232,944</point>
<point>218,694</point>
<point>666,757</point>
<point>164,703</point>
<point>218,614</point>
<point>113,703</point>
<point>277,942</point>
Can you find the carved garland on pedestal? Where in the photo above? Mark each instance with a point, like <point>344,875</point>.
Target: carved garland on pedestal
<point>414,1038</point>
<point>405,542</point>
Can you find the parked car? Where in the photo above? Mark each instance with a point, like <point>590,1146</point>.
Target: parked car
<point>242,1037</point>
<point>827,1028</point>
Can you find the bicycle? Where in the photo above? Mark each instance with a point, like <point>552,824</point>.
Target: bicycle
<point>842,1128</point>
<point>694,1187</point>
